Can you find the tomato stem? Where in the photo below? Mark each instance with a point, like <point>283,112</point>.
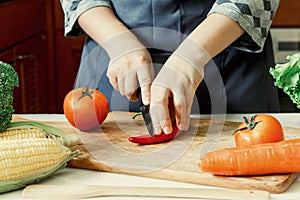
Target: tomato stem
<point>250,125</point>
<point>85,93</point>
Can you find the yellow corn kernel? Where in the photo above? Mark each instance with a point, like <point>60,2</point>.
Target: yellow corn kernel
<point>22,132</point>
<point>25,157</point>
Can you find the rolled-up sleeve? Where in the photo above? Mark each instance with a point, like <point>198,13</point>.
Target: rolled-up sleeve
<point>73,9</point>
<point>254,16</point>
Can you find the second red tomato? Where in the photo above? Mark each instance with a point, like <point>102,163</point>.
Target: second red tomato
<point>261,128</point>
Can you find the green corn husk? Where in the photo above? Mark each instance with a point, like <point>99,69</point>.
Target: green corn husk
<point>6,186</point>
<point>287,77</point>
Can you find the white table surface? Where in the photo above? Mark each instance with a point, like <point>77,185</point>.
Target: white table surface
<point>69,176</point>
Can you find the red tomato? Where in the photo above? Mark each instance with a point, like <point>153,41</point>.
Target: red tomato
<point>85,108</point>
<point>261,128</point>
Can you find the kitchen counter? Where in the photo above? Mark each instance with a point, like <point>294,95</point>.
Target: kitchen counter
<point>72,176</point>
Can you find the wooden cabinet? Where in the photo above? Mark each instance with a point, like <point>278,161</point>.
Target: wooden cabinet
<point>67,56</point>
<point>23,45</point>
<point>28,60</point>
<point>32,40</point>
<point>288,14</point>
<point>67,60</point>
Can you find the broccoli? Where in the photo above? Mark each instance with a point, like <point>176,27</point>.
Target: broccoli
<point>8,80</point>
<point>287,77</point>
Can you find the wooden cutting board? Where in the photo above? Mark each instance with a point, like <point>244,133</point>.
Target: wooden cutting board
<point>108,149</point>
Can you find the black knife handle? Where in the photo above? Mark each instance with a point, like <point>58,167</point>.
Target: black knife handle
<point>147,118</point>
<point>145,112</point>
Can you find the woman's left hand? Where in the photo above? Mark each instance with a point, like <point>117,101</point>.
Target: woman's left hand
<point>177,81</point>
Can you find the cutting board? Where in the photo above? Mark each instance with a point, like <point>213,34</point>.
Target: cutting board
<point>108,149</point>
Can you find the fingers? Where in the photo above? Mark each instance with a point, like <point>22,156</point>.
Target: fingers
<point>163,115</point>
<point>145,91</point>
<point>160,115</point>
<point>131,71</point>
<point>141,77</point>
<point>112,79</point>
<point>145,76</point>
<point>130,85</point>
<point>181,111</point>
<point>170,93</point>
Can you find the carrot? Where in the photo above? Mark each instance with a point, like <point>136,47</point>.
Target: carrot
<point>268,158</point>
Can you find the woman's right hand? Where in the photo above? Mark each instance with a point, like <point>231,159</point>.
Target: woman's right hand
<point>129,71</point>
<point>130,63</point>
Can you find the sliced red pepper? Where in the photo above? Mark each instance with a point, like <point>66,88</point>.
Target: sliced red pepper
<point>147,139</point>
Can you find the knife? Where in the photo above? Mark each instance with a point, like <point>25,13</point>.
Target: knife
<point>147,118</point>
<point>145,113</point>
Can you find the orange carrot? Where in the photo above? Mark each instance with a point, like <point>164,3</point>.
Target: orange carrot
<point>268,158</point>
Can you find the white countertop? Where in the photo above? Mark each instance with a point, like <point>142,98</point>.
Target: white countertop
<point>72,176</point>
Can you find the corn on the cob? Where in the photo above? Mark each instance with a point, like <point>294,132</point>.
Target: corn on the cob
<point>27,129</point>
<point>31,151</point>
<point>23,132</point>
<point>24,157</point>
<point>27,161</point>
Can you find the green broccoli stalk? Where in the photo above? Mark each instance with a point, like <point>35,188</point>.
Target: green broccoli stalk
<point>287,77</point>
<point>8,80</point>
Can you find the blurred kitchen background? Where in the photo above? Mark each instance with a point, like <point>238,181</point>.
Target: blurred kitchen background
<point>32,40</point>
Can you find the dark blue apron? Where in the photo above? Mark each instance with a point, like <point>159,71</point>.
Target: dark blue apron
<point>235,80</point>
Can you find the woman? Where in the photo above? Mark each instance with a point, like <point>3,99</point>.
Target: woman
<point>219,50</point>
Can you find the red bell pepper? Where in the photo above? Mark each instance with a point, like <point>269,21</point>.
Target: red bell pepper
<point>147,139</point>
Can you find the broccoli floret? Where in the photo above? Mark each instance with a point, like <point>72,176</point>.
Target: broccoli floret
<point>8,80</point>
<point>287,77</point>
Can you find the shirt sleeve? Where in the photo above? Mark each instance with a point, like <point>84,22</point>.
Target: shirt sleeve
<point>254,16</point>
<point>73,9</point>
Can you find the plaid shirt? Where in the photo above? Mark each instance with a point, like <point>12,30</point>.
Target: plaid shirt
<point>254,16</point>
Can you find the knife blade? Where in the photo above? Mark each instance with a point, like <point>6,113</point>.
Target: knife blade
<point>147,118</point>
<point>145,113</point>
